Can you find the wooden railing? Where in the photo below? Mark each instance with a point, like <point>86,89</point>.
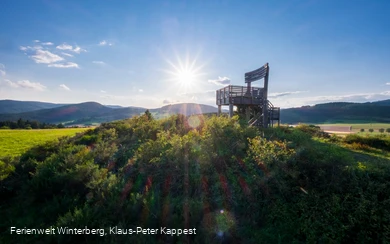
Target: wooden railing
<point>225,95</point>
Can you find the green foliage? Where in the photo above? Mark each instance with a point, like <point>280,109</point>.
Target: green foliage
<point>381,130</point>
<point>374,141</point>
<point>233,183</point>
<point>5,170</point>
<point>388,130</point>
<point>362,130</point>
<point>371,130</point>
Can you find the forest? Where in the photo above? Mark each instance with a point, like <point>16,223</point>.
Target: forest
<point>230,182</point>
<point>27,124</point>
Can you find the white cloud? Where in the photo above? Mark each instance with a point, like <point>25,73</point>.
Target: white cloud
<point>388,83</point>
<point>78,50</point>
<point>26,84</point>
<point>64,65</point>
<point>166,101</point>
<point>2,70</point>
<point>34,48</point>
<point>140,90</point>
<point>36,41</point>
<point>67,54</point>
<point>282,94</point>
<point>64,87</point>
<point>47,43</point>
<point>99,62</point>
<point>68,47</point>
<point>45,57</point>
<point>105,43</point>
<point>221,81</point>
<point>64,46</point>
<point>102,91</point>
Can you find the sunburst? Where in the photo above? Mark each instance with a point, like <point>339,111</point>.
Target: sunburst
<point>185,74</point>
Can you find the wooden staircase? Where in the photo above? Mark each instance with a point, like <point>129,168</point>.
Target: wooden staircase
<point>273,114</point>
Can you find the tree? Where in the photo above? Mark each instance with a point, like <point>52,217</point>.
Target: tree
<point>60,126</point>
<point>148,114</point>
<point>362,130</point>
<point>388,130</point>
<point>371,130</point>
<point>381,130</point>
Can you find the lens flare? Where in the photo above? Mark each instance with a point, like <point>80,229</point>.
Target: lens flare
<point>194,121</point>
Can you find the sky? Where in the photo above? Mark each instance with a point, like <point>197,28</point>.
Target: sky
<point>153,53</point>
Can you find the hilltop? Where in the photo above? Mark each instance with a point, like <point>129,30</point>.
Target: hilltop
<point>230,182</point>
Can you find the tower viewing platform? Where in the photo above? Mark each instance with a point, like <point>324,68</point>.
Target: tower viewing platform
<point>250,101</point>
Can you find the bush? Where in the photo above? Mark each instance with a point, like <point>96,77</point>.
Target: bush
<point>378,141</point>
<point>388,130</point>
<point>381,130</point>
<point>362,130</point>
<point>371,130</point>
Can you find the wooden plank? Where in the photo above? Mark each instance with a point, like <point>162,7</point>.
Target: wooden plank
<point>256,74</point>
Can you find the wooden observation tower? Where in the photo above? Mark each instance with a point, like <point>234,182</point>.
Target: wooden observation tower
<point>251,102</point>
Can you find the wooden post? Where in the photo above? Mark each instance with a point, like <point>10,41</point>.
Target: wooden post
<point>247,113</point>
<point>219,110</point>
<point>230,110</point>
<point>265,99</point>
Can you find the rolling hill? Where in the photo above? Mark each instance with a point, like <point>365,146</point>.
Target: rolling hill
<point>12,106</point>
<point>339,112</point>
<point>92,112</point>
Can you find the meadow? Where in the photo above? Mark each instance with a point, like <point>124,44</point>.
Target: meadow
<point>15,142</point>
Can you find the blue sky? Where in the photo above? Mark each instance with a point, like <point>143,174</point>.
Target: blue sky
<point>151,53</point>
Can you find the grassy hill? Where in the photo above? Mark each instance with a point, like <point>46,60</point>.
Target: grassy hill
<point>340,112</point>
<point>221,178</point>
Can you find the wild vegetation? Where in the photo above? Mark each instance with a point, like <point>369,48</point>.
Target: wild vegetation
<point>233,183</point>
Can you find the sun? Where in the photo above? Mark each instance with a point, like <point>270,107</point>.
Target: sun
<point>186,77</point>
<point>185,74</point>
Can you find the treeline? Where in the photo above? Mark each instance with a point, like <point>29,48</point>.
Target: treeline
<point>26,124</point>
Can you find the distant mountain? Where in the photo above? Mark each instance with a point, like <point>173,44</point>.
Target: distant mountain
<point>186,109</point>
<point>12,106</point>
<point>61,114</point>
<point>382,103</point>
<point>113,106</point>
<point>339,112</point>
<point>92,112</point>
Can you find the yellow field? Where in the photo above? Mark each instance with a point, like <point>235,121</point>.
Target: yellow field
<point>15,142</point>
